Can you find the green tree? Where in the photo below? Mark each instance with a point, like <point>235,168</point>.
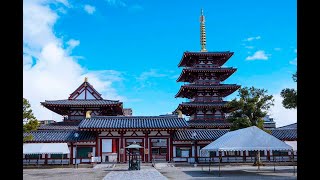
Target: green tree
<point>250,108</point>
<point>30,123</point>
<point>290,96</point>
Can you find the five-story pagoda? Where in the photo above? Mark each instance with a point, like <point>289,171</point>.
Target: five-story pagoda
<point>204,74</point>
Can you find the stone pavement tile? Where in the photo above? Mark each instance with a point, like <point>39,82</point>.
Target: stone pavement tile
<point>143,174</point>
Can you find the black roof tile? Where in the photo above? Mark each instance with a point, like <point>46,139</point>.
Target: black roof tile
<point>134,122</point>
<point>60,136</point>
<point>80,102</point>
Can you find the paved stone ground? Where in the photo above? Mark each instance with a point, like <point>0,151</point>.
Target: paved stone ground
<point>65,173</point>
<point>146,173</point>
<point>229,172</point>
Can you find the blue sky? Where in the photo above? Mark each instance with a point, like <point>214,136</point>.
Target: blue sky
<point>141,43</point>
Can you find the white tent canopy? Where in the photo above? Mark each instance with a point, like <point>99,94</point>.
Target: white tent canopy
<point>246,139</point>
<point>45,148</point>
<point>293,144</point>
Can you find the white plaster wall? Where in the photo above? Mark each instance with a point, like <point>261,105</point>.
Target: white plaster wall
<point>81,96</point>
<point>90,96</point>
<point>153,133</point>
<point>174,151</point>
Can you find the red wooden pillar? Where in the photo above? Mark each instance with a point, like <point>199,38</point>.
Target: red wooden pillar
<point>171,146</point>
<point>46,159</point>
<point>146,144</point>
<point>195,151</point>
<point>121,148</point>
<point>268,155</point>
<point>97,145</point>
<point>71,154</point>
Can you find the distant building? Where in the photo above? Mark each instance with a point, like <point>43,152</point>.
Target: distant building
<point>127,111</point>
<point>268,122</point>
<point>46,121</point>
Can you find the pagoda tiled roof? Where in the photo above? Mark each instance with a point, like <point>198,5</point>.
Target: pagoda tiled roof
<point>204,104</point>
<point>61,136</point>
<point>211,69</point>
<point>133,122</point>
<point>224,72</point>
<point>60,126</point>
<point>209,123</point>
<point>201,134</point>
<point>186,55</point>
<point>285,134</point>
<point>226,89</point>
<point>81,102</point>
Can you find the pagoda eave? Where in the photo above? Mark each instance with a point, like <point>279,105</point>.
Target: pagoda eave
<point>64,110</point>
<point>187,91</point>
<point>189,109</point>
<point>189,55</point>
<point>223,75</point>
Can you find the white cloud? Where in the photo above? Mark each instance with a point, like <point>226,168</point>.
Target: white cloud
<point>281,115</point>
<point>116,3</point>
<point>135,8</point>
<point>150,74</point>
<point>72,44</point>
<point>277,49</point>
<point>294,61</point>
<point>252,38</point>
<point>249,47</point>
<point>89,9</point>
<point>49,71</point>
<point>259,55</point>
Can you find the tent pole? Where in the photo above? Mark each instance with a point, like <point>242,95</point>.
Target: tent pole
<point>294,168</point>
<point>219,162</point>
<point>39,159</point>
<point>258,160</point>
<point>274,164</point>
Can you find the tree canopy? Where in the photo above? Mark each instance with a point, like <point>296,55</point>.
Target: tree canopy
<point>290,96</point>
<point>250,108</point>
<point>30,123</point>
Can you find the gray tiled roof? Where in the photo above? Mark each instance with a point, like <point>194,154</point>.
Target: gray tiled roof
<point>60,136</point>
<point>202,134</point>
<point>134,122</point>
<point>290,126</point>
<point>208,123</point>
<point>60,126</point>
<point>80,102</point>
<point>285,134</point>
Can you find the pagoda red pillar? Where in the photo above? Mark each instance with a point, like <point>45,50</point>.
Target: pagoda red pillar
<point>146,149</point>
<point>71,154</point>
<point>195,151</point>
<point>171,146</point>
<point>121,148</point>
<point>97,145</point>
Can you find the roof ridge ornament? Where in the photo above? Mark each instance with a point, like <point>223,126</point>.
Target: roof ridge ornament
<point>202,33</point>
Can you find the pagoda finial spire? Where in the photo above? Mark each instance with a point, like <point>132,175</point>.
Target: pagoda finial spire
<point>86,79</point>
<point>202,33</point>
